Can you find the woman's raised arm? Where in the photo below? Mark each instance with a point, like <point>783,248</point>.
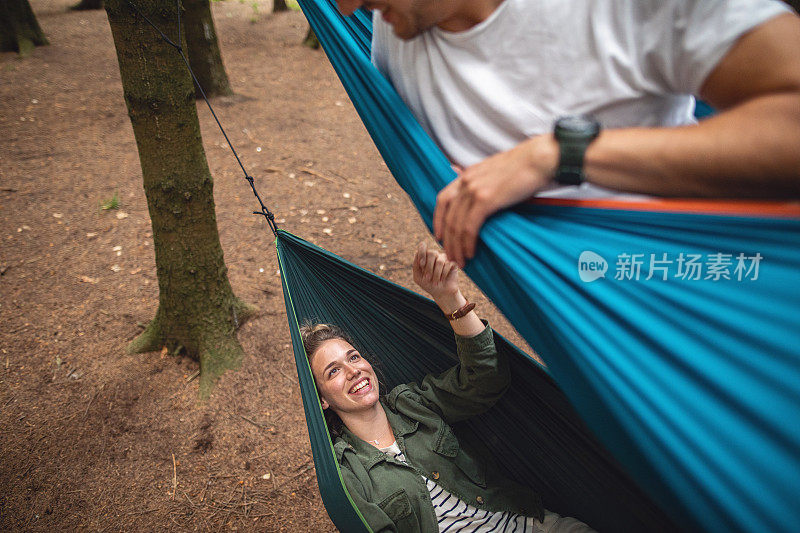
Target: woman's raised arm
<point>439,278</point>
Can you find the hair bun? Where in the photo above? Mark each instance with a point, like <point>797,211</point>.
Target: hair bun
<point>313,335</point>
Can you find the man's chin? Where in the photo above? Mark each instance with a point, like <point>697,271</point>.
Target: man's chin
<point>405,33</point>
<point>406,36</point>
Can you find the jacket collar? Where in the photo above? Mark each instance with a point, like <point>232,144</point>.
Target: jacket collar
<point>369,454</point>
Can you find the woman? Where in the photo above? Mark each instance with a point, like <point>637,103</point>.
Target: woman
<point>404,468</point>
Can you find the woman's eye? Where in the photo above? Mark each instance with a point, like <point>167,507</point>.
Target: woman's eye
<point>333,371</point>
<point>354,357</point>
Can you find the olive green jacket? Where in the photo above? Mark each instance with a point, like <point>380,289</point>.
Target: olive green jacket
<point>391,495</point>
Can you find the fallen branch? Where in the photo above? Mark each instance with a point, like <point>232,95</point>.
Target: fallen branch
<point>197,510</point>
<point>316,174</point>
<point>174,477</point>
<point>308,466</point>
<point>253,422</point>
<point>291,380</point>
<point>347,207</point>
<point>21,328</point>
<point>146,511</point>
<point>86,411</point>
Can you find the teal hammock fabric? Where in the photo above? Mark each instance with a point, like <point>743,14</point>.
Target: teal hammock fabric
<point>533,432</point>
<point>692,384</point>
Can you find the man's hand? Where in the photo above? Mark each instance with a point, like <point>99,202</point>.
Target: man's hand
<point>482,189</point>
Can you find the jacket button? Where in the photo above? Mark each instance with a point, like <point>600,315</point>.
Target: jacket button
<point>435,475</point>
<point>479,499</point>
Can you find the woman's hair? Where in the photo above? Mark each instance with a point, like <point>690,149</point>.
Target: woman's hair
<point>313,335</point>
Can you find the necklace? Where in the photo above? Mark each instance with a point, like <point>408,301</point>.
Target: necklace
<point>377,441</point>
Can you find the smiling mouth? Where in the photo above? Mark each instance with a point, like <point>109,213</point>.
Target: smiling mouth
<point>360,386</point>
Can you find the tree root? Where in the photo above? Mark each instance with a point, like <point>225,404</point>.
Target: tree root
<point>149,340</point>
<point>311,40</point>
<point>243,311</point>
<point>217,350</point>
<point>215,359</point>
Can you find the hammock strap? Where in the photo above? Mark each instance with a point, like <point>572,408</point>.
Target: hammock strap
<point>265,212</point>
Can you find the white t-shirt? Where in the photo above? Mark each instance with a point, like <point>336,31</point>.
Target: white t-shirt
<point>627,62</point>
<point>454,514</point>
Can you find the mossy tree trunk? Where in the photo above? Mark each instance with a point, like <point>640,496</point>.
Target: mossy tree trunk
<point>197,308</point>
<point>88,4</point>
<point>203,49</point>
<point>279,5</point>
<point>19,29</point>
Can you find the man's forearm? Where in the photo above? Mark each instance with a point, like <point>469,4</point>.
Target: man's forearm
<point>751,151</point>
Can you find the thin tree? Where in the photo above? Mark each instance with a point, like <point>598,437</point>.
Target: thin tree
<point>197,309</point>
<point>279,5</point>
<point>19,30</point>
<point>203,49</point>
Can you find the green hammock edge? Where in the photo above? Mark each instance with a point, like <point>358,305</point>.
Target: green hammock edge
<point>297,347</point>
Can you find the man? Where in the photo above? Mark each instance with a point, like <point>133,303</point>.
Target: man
<point>489,78</point>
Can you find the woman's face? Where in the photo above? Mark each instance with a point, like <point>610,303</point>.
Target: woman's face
<point>346,382</point>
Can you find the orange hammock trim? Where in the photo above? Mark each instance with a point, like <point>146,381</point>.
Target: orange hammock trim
<point>781,209</point>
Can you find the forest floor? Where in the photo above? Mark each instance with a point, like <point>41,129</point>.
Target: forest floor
<point>93,438</point>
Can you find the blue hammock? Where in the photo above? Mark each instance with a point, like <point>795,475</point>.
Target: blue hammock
<point>675,335</point>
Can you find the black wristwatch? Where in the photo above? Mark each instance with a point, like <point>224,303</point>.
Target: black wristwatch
<point>574,134</point>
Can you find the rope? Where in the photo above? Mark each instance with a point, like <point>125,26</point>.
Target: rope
<point>265,212</point>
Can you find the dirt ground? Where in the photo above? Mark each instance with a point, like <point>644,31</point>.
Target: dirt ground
<point>91,437</point>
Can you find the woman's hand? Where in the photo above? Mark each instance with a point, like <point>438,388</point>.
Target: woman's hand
<point>438,277</point>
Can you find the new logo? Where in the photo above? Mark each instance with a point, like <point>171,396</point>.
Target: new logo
<point>591,266</point>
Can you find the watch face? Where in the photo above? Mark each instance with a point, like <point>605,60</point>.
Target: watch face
<point>578,124</point>
<point>574,123</point>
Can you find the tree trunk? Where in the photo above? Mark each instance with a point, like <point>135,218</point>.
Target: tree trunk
<point>311,39</point>
<point>203,49</point>
<point>19,29</point>
<point>87,4</point>
<point>279,5</point>
<point>197,309</point>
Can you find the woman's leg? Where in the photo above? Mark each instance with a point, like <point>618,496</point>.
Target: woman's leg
<point>554,523</point>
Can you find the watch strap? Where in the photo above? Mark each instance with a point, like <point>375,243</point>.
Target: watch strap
<point>461,311</point>
<point>574,134</point>
<point>570,163</point>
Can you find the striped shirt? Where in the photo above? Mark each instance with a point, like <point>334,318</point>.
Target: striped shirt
<point>456,516</point>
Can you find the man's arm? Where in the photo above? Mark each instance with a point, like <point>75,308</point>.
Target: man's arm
<point>750,149</point>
